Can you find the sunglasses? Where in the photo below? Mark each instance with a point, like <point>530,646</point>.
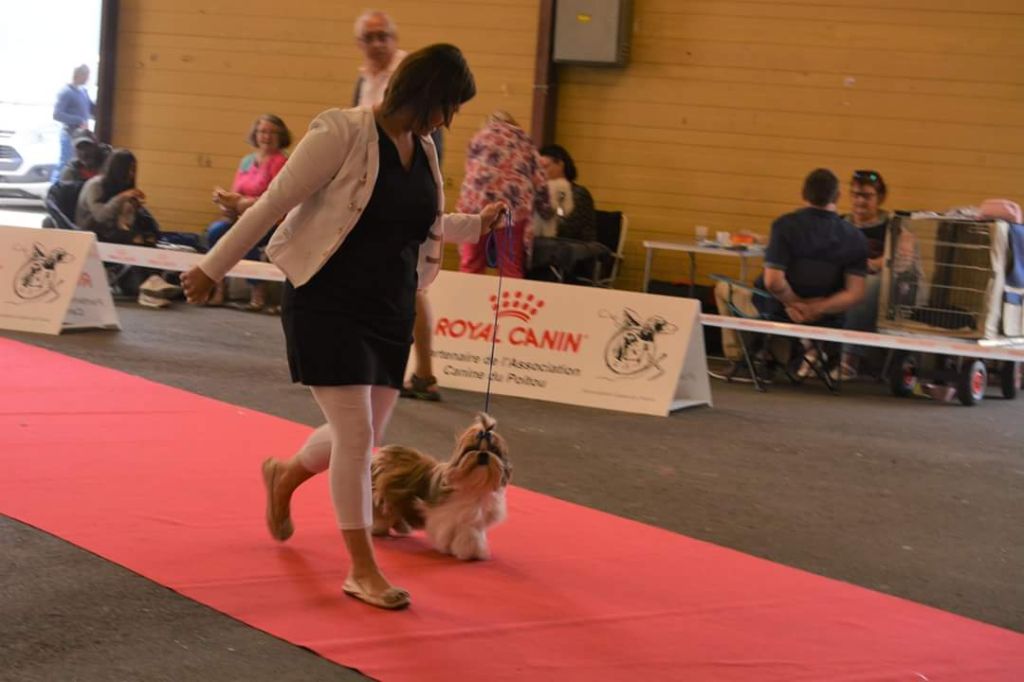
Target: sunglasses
<point>380,36</point>
<point>868,176</point>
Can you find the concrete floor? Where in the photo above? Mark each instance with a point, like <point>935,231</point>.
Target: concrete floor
<point>909,497</point>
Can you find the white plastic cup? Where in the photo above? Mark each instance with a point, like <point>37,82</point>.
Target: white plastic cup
<point>722,237</point>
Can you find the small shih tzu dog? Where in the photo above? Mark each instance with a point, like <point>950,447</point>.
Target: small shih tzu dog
<point>455,501</point>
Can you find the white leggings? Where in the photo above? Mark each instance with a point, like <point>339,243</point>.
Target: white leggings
<point>356,418</point>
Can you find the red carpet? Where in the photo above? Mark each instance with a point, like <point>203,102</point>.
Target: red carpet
<point>166,483</point>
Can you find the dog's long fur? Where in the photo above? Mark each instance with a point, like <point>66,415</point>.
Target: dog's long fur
<point>455,501</point>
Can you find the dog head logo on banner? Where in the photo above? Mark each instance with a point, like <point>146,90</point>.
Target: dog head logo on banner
<point>37,277</point>
<point>51,280</point>
<point>632,350</point>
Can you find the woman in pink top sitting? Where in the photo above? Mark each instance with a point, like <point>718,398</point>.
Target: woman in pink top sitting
<point>270,136</point>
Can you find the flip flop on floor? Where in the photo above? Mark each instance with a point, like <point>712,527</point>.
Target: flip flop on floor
<point>392,598</point>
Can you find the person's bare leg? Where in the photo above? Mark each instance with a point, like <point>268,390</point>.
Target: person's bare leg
<point>258,295</point>
<point>422,336</point>
<point>423,384</point>
<point>351,418</point>
<point>217,297</point>
<point>281,479</point>
<point>849,365</point>
<point>364,570</point>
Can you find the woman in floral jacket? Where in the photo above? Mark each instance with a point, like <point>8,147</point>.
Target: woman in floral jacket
<point>502,164</point>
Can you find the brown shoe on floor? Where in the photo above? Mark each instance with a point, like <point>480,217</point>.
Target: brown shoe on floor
<point>392,598</point>
<point>249,307</point>
<point>280,528</point>
<point>421,389</point>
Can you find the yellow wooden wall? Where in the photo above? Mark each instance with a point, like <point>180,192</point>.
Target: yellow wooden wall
<point>725,106</point>
<point>723,109</point>
<point>193,74</point>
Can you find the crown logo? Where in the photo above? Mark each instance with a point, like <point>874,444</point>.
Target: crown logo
<point>516,304</point>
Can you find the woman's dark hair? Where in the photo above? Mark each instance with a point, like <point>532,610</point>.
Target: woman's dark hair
<point>434,77</point>
<point>559,153</point>
<point>821,188</point>
<point>118,173</point>
<point>284,136</point>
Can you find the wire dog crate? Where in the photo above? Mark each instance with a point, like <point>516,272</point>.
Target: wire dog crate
<point>944,276</point>
<point>947,277</point>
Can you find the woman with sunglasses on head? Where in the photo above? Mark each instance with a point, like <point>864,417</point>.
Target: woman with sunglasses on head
<point>365,227</point>
<point>867,194</point>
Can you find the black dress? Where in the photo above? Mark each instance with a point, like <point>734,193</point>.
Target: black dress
<point>351,324</point>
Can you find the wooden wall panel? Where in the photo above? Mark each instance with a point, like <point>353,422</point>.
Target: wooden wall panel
<point>193,74</point>
<point>725,106</point>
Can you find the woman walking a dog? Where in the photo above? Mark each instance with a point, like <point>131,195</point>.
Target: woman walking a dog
<point>365,227</point>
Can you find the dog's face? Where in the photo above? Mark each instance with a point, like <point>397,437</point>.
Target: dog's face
<point>480,461</point>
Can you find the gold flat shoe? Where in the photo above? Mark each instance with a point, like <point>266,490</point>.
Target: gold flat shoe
<point>392,598</point>
<point>280,529</point>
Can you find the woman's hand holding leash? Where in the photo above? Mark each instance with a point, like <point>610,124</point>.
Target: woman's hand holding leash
<point>491,216</point>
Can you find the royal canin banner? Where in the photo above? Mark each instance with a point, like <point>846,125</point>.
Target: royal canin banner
<point>595,347</point>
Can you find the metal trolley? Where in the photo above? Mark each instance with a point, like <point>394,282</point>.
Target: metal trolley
<point>946,277</point>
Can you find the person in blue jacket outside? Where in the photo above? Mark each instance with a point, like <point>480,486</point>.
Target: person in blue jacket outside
<point>73,109</point>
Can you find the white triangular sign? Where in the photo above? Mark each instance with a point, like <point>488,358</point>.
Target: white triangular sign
<point>92,306</point>
<point>52,280</point>
<point>693,387</point>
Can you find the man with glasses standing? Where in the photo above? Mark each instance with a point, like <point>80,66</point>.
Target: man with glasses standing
<point>377,38</point>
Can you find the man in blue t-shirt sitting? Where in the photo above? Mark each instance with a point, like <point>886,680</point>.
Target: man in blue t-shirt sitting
<point>815,266</point>
<point>815,262</point>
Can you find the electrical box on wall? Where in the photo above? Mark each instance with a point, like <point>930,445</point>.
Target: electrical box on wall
<point>593,32</point>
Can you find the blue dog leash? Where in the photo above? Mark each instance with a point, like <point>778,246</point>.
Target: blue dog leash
<point>492,249</point>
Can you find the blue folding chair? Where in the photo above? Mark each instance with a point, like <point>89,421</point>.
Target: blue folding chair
<point>817,363</point>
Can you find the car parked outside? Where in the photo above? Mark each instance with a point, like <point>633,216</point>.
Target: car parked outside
<point>29,151</point>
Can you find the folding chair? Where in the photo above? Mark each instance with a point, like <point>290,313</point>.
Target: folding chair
<point>600,267</point>
<point>611,233</point>
<point>818,365</point>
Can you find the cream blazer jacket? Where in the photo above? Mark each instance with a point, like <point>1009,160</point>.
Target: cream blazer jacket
<point>323,189</point>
